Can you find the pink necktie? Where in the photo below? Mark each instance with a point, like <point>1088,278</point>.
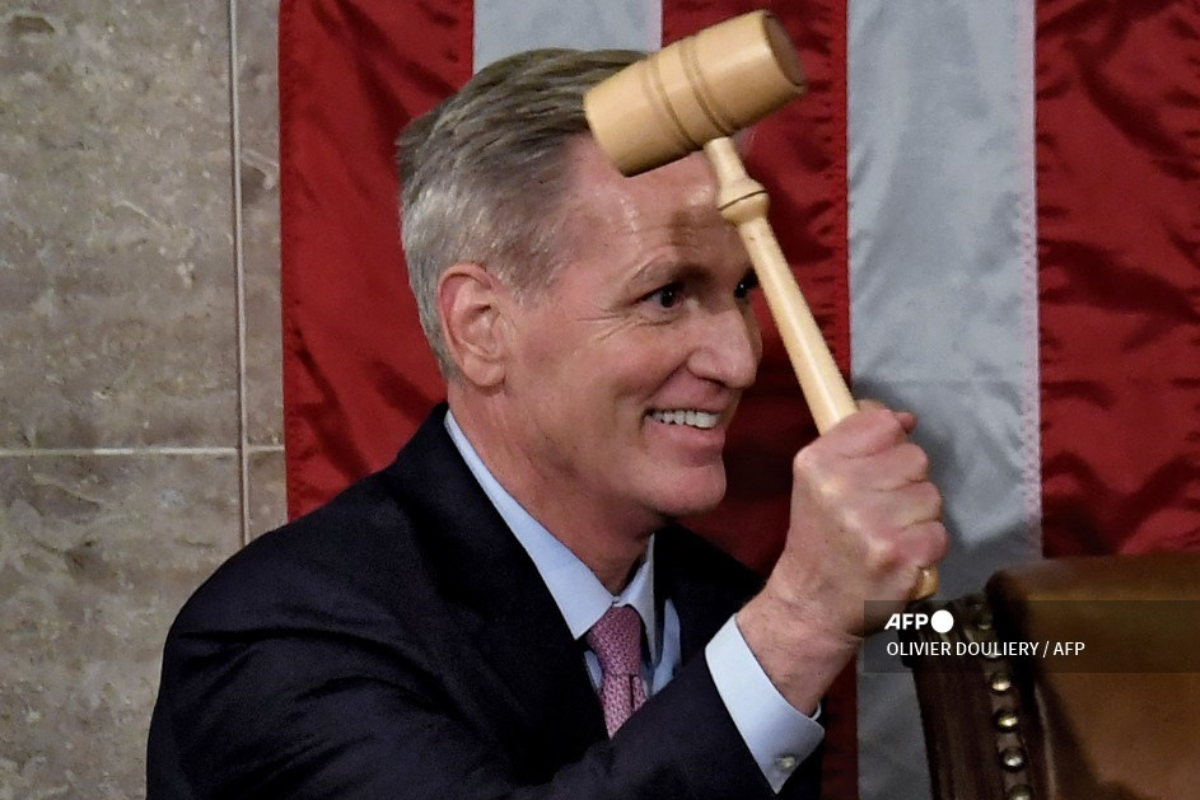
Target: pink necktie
<point>617,641</point>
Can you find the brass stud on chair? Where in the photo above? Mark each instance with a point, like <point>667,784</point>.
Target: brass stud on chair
<point>1000,682</point>
<point>983,620</point>
<point>1012,758</point>
<point>1019,792</point>
<point>1005,720</point>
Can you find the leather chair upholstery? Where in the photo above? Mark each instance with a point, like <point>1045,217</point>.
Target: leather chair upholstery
<point>1118,721</point>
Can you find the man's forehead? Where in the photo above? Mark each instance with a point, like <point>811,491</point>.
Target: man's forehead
<point>685,191</point>
<point>643,229</point>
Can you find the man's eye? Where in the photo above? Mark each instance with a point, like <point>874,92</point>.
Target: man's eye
<point>747,285</point>
<point>668,296</point>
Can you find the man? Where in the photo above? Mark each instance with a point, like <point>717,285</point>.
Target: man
<point>480,619</point>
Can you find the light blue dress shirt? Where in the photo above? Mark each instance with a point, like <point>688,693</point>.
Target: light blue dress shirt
<point>778,735</point>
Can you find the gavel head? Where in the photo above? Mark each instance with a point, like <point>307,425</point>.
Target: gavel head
<point>709,85</point>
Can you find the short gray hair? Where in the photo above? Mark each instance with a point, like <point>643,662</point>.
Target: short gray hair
<point>483,174</point>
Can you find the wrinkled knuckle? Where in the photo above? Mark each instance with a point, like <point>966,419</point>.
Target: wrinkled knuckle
<point>920,460</point>
<point>941,539</point>
<point>933,542</point>
<point>930,498</point>
<point>888,423</point>
<point>811,469</point>
<point>888,557</point>
<point>876,557</point>
<point>803,463</point>
<point>813,459</point>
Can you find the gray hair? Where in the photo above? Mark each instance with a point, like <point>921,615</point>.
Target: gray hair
<point>483,174</point>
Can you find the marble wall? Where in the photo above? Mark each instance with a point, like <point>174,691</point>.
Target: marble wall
<point>140,399</point>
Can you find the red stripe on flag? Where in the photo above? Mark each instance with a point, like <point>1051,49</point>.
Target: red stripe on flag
<point>358,376</point>
<point>1118,150</point>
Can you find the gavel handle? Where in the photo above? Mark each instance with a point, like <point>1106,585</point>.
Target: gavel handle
<point>743,201</point>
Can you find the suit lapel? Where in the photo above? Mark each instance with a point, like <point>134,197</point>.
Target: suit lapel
<point>706,586</point>
<point>534,666</point>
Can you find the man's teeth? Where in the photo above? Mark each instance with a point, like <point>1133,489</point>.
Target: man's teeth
<point>696,419</point>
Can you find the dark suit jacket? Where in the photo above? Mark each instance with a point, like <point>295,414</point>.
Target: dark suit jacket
<point>399,643</point>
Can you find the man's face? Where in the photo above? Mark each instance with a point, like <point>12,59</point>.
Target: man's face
<point>629,366</point>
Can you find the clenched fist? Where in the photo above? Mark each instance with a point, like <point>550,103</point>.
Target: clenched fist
<point>865,520</point>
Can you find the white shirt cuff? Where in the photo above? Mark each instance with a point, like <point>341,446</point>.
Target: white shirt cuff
<point>778,735</point>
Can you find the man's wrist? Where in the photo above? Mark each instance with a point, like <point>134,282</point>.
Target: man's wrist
<point>801,656</point>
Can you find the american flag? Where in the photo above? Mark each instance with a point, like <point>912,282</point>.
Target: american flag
<point>993,207</point>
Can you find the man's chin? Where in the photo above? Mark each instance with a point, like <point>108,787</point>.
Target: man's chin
<point>696,495</point>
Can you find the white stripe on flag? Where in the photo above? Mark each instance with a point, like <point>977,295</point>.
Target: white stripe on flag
<point>943,300</point>
<point>504,27</point>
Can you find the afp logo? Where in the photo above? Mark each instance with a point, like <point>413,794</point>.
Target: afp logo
<point>941,621</point>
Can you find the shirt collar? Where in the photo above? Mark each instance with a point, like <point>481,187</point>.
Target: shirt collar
<point>580,596</point>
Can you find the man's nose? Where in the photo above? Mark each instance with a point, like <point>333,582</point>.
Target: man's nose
<point>728,348</point>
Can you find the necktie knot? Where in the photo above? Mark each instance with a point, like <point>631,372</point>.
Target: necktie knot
<point>617,642</point>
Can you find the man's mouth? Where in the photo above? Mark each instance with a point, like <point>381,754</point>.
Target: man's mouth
<point>704,420</point>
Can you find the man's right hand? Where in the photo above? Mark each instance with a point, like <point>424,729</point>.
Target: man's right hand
<point>865,520</point>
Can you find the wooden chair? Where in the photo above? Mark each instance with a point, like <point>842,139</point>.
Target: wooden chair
<point>1117,720</point>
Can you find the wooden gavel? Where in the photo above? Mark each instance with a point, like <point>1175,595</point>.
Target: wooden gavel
<point>693,95</point>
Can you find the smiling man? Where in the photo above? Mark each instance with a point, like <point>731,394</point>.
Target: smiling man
<point>510,609</point>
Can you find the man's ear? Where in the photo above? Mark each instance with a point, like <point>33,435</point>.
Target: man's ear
<point>470,304</point>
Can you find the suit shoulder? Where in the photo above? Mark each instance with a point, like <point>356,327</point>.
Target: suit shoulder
<point>353,550</point>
